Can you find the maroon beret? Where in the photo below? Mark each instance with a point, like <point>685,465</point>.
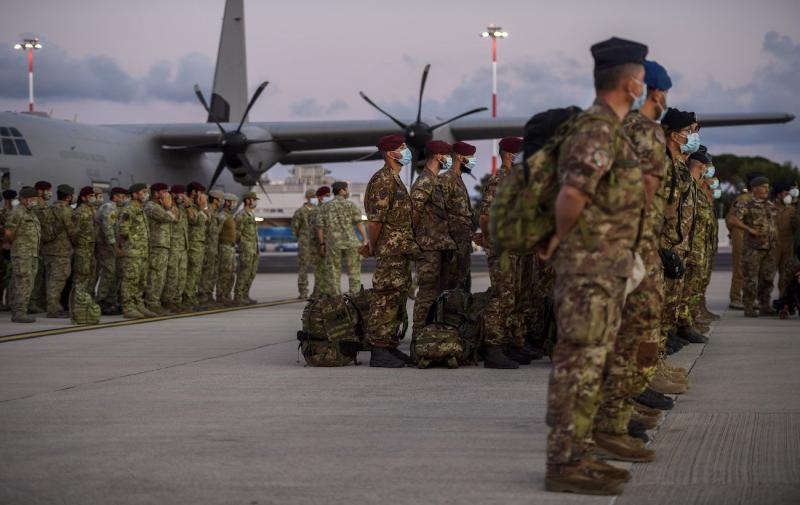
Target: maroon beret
<point>390,142</point>
<point>178,189</point>
<point>323,190</point>
<point>159,186</point>
<point>116,190</point>
<point>438,147</point>
<point>195,186</point>
<point>42,185</point>
<point>463,149</point>
<point>86,191</point>
<point>511,145</point>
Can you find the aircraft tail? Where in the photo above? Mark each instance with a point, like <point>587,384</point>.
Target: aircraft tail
<point>229,96</point>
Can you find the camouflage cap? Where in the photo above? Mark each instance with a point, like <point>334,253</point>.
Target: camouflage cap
<point>215,193</point>
<point>310,193</point>
<point>231,197</point>
<point>251,195</point>
<point>65,189</point>
<point>28,192</point>
<point>136,187</point>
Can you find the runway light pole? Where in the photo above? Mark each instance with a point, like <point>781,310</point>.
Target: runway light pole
<point>29,45</point>
<point>494,32</point>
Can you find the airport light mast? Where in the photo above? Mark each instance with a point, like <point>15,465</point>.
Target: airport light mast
<point>30,45</point>
<point>494,32</point>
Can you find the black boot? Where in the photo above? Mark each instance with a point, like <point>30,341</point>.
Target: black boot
<point>518,355</point>
<point>533,352</point>
<point>405,358</point>
<point>692,335</point>
<point>384,358</point>
<point>655,400</point>
<point>495,358</point>
<point>636,429</point>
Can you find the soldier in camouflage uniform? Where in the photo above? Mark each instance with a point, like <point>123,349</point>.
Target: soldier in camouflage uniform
<point>247,242</point>
<point>178,249</point>
<point>786,223</point>
<point>84,262</point>
<point>306,254</point>
<point>391,240</point>
<point>601,185</point>
<point>737,246</point>
<point>338,242</point>
<point>226,271</point>
<point>757,218</point>
<point>133,239</point>
<point>57,251</point>
<point>38,301</point>
<point>198,217</point>
<point>461,222</point>
<point>321,270</point>
<point>161,215</point>
<point>108,287</point>
<point>211,257</point>
<point>23,233</point>
<point>5,253</point>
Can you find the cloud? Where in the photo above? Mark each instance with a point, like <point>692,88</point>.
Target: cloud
<point>193,68</point>
<point>311,107</point>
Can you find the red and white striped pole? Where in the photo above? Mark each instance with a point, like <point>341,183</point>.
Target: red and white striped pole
<point>494,32</point>
<point>30,45</point>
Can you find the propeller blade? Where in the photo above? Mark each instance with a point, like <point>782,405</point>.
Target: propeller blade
<point>202,99</point>
<point>397,121</point>
<point>261,185</point>
<point>206,147</point>
<point>252,101</point>
<point>252,171</point>
<point>473,111</point>
<point>217,172</point>
<point>422,90</point>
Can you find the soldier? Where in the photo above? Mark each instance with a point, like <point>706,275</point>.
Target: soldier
<point>786,223</point>
<point>23,233</point>
<point>338,242</point>
<point>211,257</point>
<point>757,218</point>
<point>227,251</point>
<point>179,244</point>
<point>133,238</point>
<point>9,196</point>
<point>737,244</point>
<point>161,215</point>
<point>57,250</point>
<point>197,216</point>
<point>321,272</point>
<point>391,240</point>
<point>108,287</point>
<point>39,294</point>
<point>461,224</point>
<point>306,254</point>
<point>601,185</point>
<point>247,241</point>
<point>84,262</point>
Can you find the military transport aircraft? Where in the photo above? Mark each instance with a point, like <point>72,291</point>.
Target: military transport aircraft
<point>34,146</point>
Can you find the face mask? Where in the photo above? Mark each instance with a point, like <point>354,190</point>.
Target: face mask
<point>714,185</point>
<point>91,201</point>
<point>638,101</point>
<point>717,194</point>
<point>253,205</point>
<point>710,171</point>
<point>327,199</point>
<point>146,197</point>
<point>794,192</point>
<point>32,204</point>
<point>787,200</point>
<point>692,143</point>
<point>469,166</point>
<point>405,156</point>
<point>447,162</point>
<point>48,195</point>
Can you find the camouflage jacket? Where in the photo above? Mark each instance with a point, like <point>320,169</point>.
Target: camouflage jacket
<point>301,225</point>
<point>680,211</point>
<point>159,221</point>
<point>785,222</point>
<point>84,223</point>
<point>461,222</point>
<point>212,230</point>
<point>62,229</point>
<point>760,215</point>
<point>703,226</point>
<point>387,202</point>
<point>599,160</point>
<point>107,220</point>
<point>179,232</point>
<point>429,214</point>
<point>27,232</point>
<point>133,234</point>
<point>337,219</point>
<point>227,228</point>
<point>198,224</point>
<point>246,231</point>
<point>490,190</point>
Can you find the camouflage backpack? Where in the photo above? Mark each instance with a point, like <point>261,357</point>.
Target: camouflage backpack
<point>82,308</point>
<point>437,343</point>
<point>328,337</point>
<point>462,311</point>
<point>360,301</point>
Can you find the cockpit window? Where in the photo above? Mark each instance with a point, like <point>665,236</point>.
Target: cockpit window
<point>12,143</point>
<point>15,132</point>
<point>8,146</point>
<point>4,132</point>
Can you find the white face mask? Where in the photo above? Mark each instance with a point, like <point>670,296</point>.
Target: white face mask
<point>787,200</point>
<point>794,192</point>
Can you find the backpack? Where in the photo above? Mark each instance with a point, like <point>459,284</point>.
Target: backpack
<point>328,337</point>
<point>437,343</point>
<point>360,302</point>
<point>462,311</point>
<point>82,308</point>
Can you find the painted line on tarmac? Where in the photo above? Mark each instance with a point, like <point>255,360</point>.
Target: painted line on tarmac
<point>128,322</point>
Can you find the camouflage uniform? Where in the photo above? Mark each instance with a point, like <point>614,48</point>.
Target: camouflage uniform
<point>592,265</point>
<point>698,258</point>
<point>737,247</point>
<point>176,269</point>
<point>387,202</point>
<point>322,268</point>
<point>211,258</point>
<point>84,262</point>
<point>198,225</point>
<point>159,224</point>
<point>247,240</point>
<point>108,288</point>
<point>58,254</point>
<point>461,224</point>
<point>227,257</point>
<point>758,258</point>
<point>337,219</point>
<point>133,239</point>
<point>786,223</point>
<point>5,264</point>
<point>39,293</point>
<point>430,224</point>
<point>24,256</point>
<point>307,253</point>
<point>632,362</point>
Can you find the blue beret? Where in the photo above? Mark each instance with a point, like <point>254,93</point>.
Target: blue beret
<point>614,51</point>
<point>656,76</point>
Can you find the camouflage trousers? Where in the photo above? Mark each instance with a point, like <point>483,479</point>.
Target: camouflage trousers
<point>157,265</point>
<point>785,263</point>
<point>538,310</point>
<point>38,297</point>
<point>632,362</point>
<point>588,314</point>
<point>5,279</point>
<point>737,280</point>
<point>694,286</point>
<point>226,272</point>
<point>352,263</point>
<point>194,271</point>
<point>248,266</point>
<point>132,281</point>
<point>323,278</point>
<point>176,277</point>
<point>107,288</point>
<point>458,272</point>
<point>431,278</point>
<point>672,314</point>
<point>208,279</point>
<point>307,259</point>
<point>23,270</point>
<point>499,318</point>
<point>57,270</point>
<point>758,267</point>
<point>84,270</point>
<point>390,284</point>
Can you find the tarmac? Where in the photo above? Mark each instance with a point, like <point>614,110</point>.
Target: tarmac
<point>216,408</point>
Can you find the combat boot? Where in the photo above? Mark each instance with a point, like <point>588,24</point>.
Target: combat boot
<point>646,411</point>
<point>158,310</point>
<point>622,448</point>
<point>495,358</point>
<point>60,314</point>
<point>171,307</point>
<point>709,314</point>
<point>517,354</point>
<point>690,334</point>
<point>21,317</point>
<point>533,352</point>
<point>655,400</point>
<point>132,314</point>
<point>581,478</point>
<point>649,422</point>
<point>736,306</point>
<point>383,358</point>
<point>766,310</point>
<point>5,308</point>
<point>638,430</point>
<point>145,312</point>
<point>35,309</point>
<point>609,471</point>
<point>750,312</point>
<point>405,358</point>
<point>251,301</point>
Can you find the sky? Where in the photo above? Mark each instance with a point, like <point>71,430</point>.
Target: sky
<point>135,62</point>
